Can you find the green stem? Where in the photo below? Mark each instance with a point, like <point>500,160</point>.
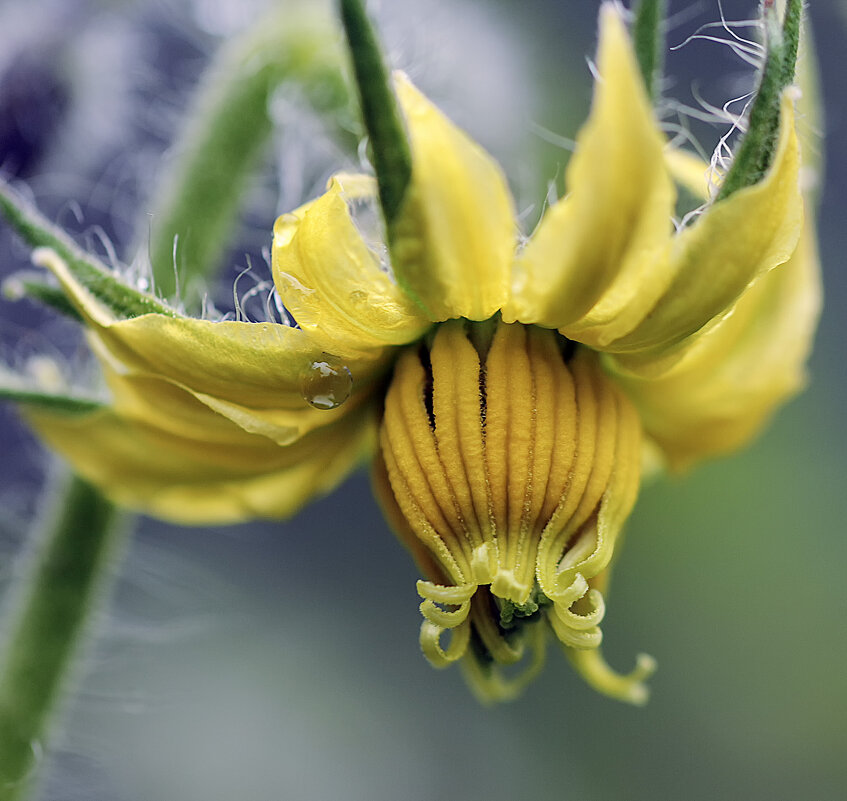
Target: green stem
<point>756,149</point>
<point>392,158</point>
<point>198,200</point>
<point>55,602</point>
<point>649,40</point>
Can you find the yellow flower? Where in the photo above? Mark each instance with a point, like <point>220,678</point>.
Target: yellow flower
<point>509,393</point>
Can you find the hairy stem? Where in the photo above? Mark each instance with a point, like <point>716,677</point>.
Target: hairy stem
<point>648,37</point>
<point>54,599</point>
<point>756,149</point>
<point>391,156</point>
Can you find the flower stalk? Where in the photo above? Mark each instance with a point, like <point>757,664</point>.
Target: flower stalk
<point>389,144</point>
<point>55,601</point>
<point>756,150</point>
<point>648,40</point>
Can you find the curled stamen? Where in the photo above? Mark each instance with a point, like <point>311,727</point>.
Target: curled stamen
<point>588,620</point>
<point>572,592</point>
<point>431,646</point>
<point>441,617</point>
<point>630,687</point>
<point>443,594</point>
<point>574,638</point>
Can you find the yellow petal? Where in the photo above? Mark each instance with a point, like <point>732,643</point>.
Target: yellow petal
<point>454,236</point>
<point>332,283</point>
<point>166,406</point>
<point>599,259</point>
<point>226,478</point>
<point>689,171</point>
<point>725,383</point>
<point>734,242</point>
<point>259,375</point>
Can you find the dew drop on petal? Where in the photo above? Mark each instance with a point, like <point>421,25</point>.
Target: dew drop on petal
<point>326,384</point>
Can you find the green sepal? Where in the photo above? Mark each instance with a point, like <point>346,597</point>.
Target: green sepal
<point>649,42</point>
<point>37,231</point>
<point>28,284</point>
<point>390,151</point>
<point>756,149</point>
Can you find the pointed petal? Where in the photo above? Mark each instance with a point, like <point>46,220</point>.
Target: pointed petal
<point>194,479</point>
<point>598,260</point>
<point>725,383</point>
<point>689,171</point>
<point>733,243</point>
<point>332,283</point>
<point>454,237</point>
<point>255,374</point>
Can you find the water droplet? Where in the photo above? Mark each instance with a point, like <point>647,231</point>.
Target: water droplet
<point>359,297</point>
<point>142,284</point>
<point>326,384</point>
<point>293,287</point>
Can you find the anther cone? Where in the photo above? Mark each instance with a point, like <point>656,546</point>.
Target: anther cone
<point>510,462</point>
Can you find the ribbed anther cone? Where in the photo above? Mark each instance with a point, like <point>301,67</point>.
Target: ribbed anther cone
<point>510,462</point>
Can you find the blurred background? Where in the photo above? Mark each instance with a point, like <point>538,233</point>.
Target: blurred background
<point>280,660</point>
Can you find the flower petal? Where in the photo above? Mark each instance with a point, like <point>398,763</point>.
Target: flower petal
<point>330,280</point>
<point>225,478</point>
<point>256,374</point>
<point>689,171</point>
<point>599,259</point>
<point>454,237</point>
<point>717,391</point>
<point>734,242</point>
